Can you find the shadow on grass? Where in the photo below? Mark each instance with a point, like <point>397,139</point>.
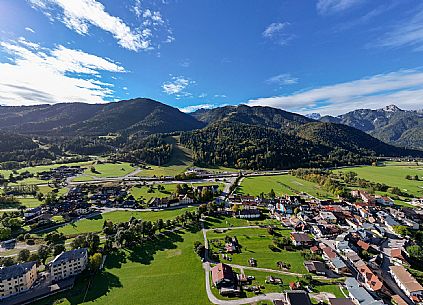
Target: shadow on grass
<point>100,285</point>
<point>144,253</point>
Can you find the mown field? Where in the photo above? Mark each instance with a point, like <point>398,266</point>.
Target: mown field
<point>254,243</point>
<point>393,175</point>
<point>142,191</point>
<point>164,272</point>
<point>104,170</point>
<point>95,224</point>
<point>281,184</point>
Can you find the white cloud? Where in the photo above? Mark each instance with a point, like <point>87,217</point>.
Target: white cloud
<point>277,33</point>
<point>177,85</point>
<point>403,88</point>
<point>29,30</point>
<point>335,6</point>
<point>41,75</point>
<point>78,15</point>
<point>193,108</point>
<point>220,96</point>
<point>282,80</point>
<point>408,33</point>
<point>138,8</point>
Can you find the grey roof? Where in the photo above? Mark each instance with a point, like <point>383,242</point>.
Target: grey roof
<point>296,297</point>
<point>69,255</point>
<point>338,263</point>
<point>359,293</point>
<point>15,270</point>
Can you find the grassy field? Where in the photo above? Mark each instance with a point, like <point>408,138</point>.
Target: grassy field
<point>103,170</point>
<point>392,175</point>
<point>281,184</point>
<point>227,222</point>
<point>164,272</point>
<point>169,189</point>
<point>96,224</point>
<point>254,243</point>
<point>141,192</point>
<point>180,161</point>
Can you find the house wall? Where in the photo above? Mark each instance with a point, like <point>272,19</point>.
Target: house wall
<point>16,285</point>
<point>68,268</point>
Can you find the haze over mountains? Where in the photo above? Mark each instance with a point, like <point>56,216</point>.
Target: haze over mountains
<point>238,136</point>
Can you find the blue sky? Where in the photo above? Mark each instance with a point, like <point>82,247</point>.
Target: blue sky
<point>327,56</point>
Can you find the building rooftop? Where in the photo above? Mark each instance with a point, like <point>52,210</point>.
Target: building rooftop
<point>15,270</point>
<point>341,301</point>
<point>297,297</point>
<point>69,255</point>
<point>406,278</point>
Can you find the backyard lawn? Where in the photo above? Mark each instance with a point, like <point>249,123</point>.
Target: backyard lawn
<point>254,244</point>
<point>281,184</point>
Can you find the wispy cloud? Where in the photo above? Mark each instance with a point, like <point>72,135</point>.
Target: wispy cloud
<point>193,108</point>
<point>282,80</point>
<point>177,85</point>
<point>335,6</point>
<point>29,30</point>
<point>403,88</point>
<point>277,33</point>
<point>35,75</point>
<point>79,15</point>
<point>408,33</point>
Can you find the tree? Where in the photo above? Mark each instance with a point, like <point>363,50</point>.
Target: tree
<point>272,193</point>
<point>92,242</point>
<point>78,242</point>
<point>43,253</point>
<point>23,255</point>
<point>401,230</point>
<point>58,248</point>
<point>5,233</point>
<point>55,238</point>
<point>415,252</point>
<point>7,261</point>
<point>95,261</point>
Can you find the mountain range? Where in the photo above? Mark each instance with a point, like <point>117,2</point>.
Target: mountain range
<point>403,128</point>
<point>239,136</point>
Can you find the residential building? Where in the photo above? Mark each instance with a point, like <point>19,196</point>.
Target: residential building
<point>17,278</point>
<point>296,297</point>
<point>360,295</point>
<point>300,239</point>
<point>69,263</point>
<point>341,301</point>
<point>407,282</point>
<point>223,276</point>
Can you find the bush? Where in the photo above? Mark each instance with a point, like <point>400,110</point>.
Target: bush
<point>274,248</point>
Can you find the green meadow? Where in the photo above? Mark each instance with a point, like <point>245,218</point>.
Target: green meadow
<point>255,244</point>
<point>95,224</point>
<point>164,271</point>
<point>281,184</point>
<point>393,175</point>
